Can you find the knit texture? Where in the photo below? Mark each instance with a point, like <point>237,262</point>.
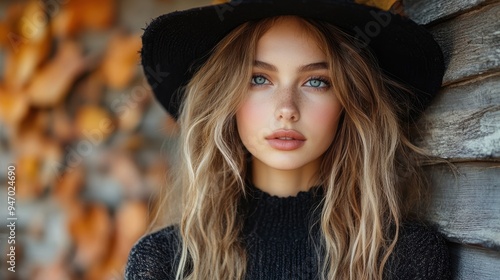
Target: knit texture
<point>281,242</point>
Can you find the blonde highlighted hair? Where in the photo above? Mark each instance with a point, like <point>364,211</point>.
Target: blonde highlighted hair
<point>362,173</point>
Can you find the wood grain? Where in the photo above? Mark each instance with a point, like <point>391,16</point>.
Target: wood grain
<point>463,122</point>
<point>466,206</point>
<point>474,263</point>
<point>429,11</point>
<point>470,43</point>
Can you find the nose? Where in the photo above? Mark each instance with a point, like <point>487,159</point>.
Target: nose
<point>287,109</point>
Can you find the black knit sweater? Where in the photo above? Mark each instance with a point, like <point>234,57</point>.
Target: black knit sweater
<point>280,242</point>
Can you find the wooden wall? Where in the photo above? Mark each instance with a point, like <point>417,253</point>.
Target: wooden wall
<point>463,126</point>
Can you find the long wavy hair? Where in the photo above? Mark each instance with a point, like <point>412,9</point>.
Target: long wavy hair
<point>372,168</point>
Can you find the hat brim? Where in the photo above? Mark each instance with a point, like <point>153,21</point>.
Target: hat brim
<point>175,44</point>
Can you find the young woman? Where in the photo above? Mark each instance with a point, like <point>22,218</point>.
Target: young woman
<point>294,161</point>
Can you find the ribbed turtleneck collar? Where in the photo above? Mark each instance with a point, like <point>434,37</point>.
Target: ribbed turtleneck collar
<point>276,218</point>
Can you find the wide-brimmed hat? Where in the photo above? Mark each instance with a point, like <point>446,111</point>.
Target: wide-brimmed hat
<point>175,44</point>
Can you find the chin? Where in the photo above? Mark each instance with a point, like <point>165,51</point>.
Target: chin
<point>288,164</point>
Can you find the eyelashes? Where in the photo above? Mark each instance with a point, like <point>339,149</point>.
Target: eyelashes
<point>259,80</point>
<point>326,83</point>
<point>314,82</point>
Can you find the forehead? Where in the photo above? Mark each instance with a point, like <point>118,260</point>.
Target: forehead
<point>289,35</point>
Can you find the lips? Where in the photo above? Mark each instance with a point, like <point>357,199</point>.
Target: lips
<point>286,140</point>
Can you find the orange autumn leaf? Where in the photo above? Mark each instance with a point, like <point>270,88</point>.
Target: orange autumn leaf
<point>30,151</point>
<point>121,60</point>
<point>14,106</point>
<point>34,153</point>
<point>93,123</point>
<point>61,125</point>
<point>8,23</point>
<point>35,120</point>
<point>52,155</point>
<point>53,81</point>
<point>90,227</point>
<point>69,185</point>
<point>28,42</point>
<point>4,31</point>
<point>88,90</point>
<point>20,65</point>
<point>130,222</point>
<point>28,183</point>
<point>381,4</point>
<point>78,15</point>
<point>57,269</point>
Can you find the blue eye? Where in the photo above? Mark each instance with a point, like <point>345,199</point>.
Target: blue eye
<point>317,83</point>
<point>259,80</point>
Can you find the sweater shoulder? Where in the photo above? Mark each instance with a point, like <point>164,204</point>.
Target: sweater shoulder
<point>153,256</point>
<point>420,253</point>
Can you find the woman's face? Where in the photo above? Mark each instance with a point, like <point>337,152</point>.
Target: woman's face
<point>290,115</point>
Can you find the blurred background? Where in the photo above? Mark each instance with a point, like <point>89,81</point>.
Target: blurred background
<point>80,126</point>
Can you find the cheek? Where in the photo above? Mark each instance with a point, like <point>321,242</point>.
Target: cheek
<point>248,119</point>
<point>325,117</point>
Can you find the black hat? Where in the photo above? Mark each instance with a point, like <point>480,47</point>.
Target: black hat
<point>175,44</point>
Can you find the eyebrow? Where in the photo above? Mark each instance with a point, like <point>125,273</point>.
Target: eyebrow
<point>303,68</point>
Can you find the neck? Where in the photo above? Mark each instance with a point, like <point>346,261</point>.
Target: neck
<point>284,183</point>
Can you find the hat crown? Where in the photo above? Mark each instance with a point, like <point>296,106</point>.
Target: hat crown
<point>176,44</point>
